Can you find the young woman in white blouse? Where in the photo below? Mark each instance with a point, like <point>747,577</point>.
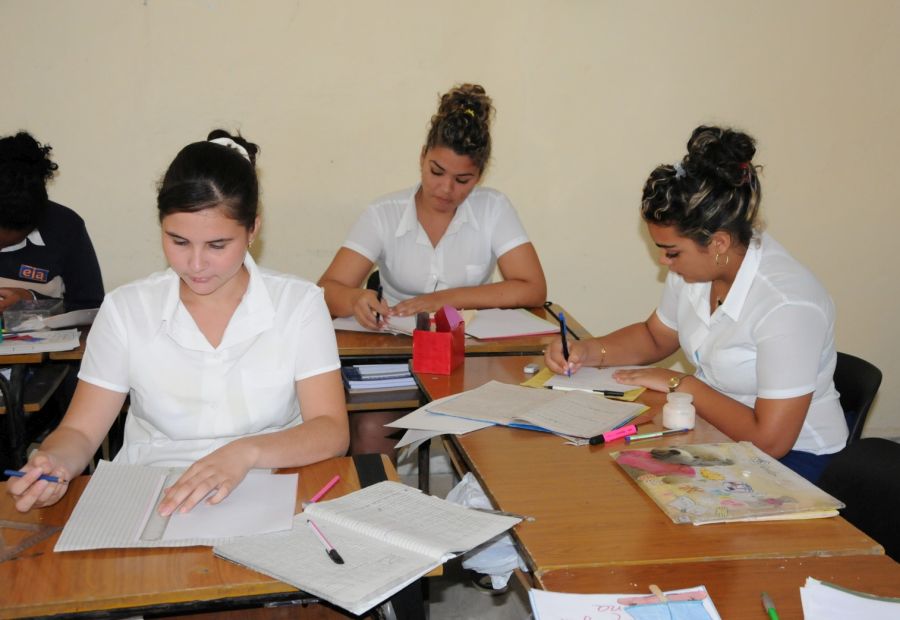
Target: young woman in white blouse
<point>229,367</point>
<point>757,324</point>
<point>438,243</point>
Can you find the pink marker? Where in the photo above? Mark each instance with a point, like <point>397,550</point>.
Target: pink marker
<point>614,434</point>
<point>327,488</point>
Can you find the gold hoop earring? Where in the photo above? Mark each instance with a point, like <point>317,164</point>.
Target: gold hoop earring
<point>727,258</point>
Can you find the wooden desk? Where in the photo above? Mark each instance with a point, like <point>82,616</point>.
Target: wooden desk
<point>40,582</point>
<point>735,586</point>
<point>364,345</point>
<point>591,514</point>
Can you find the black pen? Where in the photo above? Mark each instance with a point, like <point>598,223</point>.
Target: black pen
<point>329,548</point>
<point>565,345</point>
<point>379,297</point>
<point>613,393</point>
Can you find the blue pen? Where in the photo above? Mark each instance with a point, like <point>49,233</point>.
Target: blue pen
<point>562,334</point>
<point>19,474</point>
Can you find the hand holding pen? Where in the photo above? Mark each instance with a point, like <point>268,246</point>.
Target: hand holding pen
<point>555,359</point>
<point>35,487</point>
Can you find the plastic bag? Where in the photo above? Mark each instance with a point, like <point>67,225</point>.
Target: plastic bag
<point>497,557</point>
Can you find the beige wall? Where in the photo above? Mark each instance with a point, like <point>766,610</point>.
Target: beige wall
<point>591,96</point>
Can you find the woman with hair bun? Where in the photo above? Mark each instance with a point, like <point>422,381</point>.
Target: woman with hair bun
<point>229,366</point>
<point>437,243</point>
<point>757,324</point>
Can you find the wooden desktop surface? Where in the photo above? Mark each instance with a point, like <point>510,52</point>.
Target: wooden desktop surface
<point>369,345</point>
<point>41,582</point>
<point>735,586</point>
<point>589,513</point>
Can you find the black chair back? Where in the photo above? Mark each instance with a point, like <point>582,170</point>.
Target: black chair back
<point>857,381</point>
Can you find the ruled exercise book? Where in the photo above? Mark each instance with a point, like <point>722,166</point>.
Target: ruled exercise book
<point>118,509</point>
<point>388,535</point>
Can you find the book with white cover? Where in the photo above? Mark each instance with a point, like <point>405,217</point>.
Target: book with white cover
<point>118,509</point>
<point>40,342</point>
<point>388,535</point>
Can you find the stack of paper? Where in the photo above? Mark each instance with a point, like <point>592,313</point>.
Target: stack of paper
<point>495,323</point>
<point>388,535</point>
<point>396,325</point>
<point>573,414</point>
<point>366,378</point>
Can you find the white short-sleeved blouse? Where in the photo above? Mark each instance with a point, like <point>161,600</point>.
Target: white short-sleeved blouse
<point>189,398</point>
<point>773,337</point>
<point>484,227</point>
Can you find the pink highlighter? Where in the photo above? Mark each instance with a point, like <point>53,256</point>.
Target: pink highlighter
<point>616,433</point>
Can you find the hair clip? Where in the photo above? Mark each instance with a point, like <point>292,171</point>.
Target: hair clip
<point>679,170</point>
<point>470,112</point>
<point>231,144</point>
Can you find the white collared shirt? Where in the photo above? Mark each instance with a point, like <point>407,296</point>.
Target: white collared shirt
<point>189,398</point>
<point>34,237</point>
<point>484,227</point>
<point>773,337</point>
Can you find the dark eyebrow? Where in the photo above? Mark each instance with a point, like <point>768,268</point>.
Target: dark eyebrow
<point>664,246</point>
<point>222,240</point>
<point>442,169</point>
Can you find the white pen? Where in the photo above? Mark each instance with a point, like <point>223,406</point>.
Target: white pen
<point>329,548</point>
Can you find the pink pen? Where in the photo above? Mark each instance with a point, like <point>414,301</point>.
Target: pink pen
<point>614,434</point>
<point>325,489</point>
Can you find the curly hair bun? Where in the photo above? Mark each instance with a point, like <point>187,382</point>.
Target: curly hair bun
<point>720,154</point>
<point>24,160</point>
<point>462,123</point>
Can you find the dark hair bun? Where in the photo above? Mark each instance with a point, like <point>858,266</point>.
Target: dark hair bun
<point>467,100</point>
<point>24,160</point>
<point>462,123</point>
<point>720,154</point>
<point>252,149</point>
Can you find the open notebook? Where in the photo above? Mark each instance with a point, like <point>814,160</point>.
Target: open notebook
<point>118,510</point>
<point>388,535</point>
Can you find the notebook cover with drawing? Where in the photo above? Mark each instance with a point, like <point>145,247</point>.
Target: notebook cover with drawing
<point>718,482</point>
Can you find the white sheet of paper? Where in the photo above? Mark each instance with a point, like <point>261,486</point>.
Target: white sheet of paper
<point>823,602</point>
<point>590,379</point>
<point>494,402</point>
<point>261,503</point>
<point>501,323</point>
<point>563,606</point>
<point>413,437</point>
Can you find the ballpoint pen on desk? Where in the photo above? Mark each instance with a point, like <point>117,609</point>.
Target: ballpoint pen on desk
<point>769,606</point>
<point>565,344</point>
<point>379,297</point>
<point>613,393</point>
<point>329,548</point>
<point>18,474</point>
<point>612,435</point>
<point>633,438</point>
<point>322,491</point>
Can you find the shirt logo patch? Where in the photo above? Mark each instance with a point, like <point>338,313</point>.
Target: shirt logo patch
<point>35,274</point>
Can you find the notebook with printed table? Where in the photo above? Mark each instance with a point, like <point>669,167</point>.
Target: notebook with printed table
<point>388,535</point>
<point>720,482</point>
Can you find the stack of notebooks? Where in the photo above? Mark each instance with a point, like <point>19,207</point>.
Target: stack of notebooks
<point>368,378</point>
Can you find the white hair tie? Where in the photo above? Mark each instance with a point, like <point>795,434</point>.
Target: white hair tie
<point>228,142</point>
<point>679,170</point>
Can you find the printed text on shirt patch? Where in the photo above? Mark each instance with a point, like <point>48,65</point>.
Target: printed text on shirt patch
<point>35,274</point>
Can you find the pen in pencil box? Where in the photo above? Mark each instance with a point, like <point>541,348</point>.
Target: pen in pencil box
<point>18,474</point>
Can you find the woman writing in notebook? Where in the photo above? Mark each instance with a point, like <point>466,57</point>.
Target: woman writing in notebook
<point>758,325</point>
<point>229,367</point>
<point>437,243</point>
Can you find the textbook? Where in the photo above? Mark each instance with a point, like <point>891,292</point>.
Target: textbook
<point>572,414</point>
<point>719,482</point>
<point>118,509</point>
<point>367,378</point>
<point>40,342</point>
<point>388,535</point>
<point>685,604</point>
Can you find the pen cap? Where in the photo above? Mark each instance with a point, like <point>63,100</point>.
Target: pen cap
<point>678,412</point>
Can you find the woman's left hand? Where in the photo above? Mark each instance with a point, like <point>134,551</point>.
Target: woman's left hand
<point>432,302</point>
<point>214,476</point>
<point>656,379</point>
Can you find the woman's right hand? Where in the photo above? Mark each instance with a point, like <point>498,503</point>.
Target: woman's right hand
<point>553,356</point>
<point>366,306</point>
<point>29,492</point>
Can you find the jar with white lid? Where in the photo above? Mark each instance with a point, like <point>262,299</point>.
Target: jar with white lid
<point>679,412</point>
